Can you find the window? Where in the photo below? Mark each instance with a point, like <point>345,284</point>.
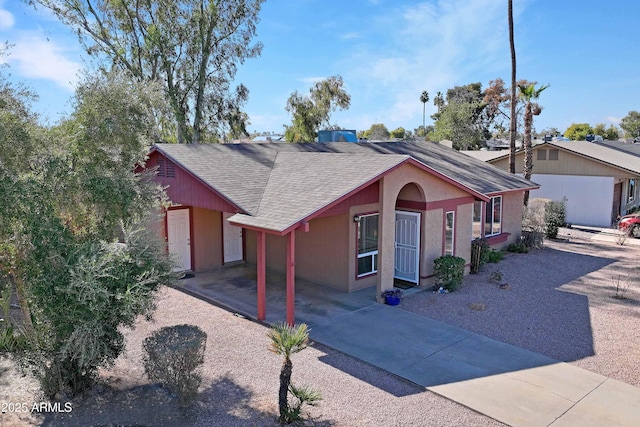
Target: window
<point>367,245</point>
<point>631,190</point>
<point>493,217</point>
<point>553,154</point>
<point>476,220</point>
<point>542,154</point>
<point>449,233</point>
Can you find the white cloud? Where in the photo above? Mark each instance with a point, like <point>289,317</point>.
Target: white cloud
<point>6,20</point>
<point>613,120</point>
<point>34,56</point>
<point>429,46</point>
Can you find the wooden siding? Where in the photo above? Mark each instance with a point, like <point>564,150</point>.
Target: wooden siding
<point>187,190</point>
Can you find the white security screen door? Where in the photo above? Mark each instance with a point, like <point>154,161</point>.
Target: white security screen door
<point>407,246</point>
<point>232,236</point>
<point>178,237</point>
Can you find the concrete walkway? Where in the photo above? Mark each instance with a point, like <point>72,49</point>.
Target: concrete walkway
<point>507,383</point>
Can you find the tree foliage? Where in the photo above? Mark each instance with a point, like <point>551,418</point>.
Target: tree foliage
<point>578,131</point>
<point>398,133</point>
<point>74,231</point>
<point>193,46</point>
<point>630,124</point>
<point>377,132</point>
<point>529,94</point>
<point>462,119</point>
<point>313,111</point>
<point>608,133</point>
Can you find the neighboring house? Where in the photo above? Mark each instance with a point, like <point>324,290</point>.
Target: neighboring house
<point>598,181</point>
<point>346,215</point>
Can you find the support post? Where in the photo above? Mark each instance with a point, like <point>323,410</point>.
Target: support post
<point>291,274</point>
<point>262,276</point>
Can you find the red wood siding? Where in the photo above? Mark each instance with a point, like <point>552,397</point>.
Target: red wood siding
<point>185,189</point>
<point>365,196</point>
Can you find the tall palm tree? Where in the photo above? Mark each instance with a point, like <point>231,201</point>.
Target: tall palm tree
<point>513,118</point>
<point>424,98</point>
<point>529,95</point>
<point>438,101</point>
<point>285,341</point>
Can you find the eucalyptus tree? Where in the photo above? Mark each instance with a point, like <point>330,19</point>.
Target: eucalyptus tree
<point>630,124</point>
<point>529,93</point>
<point>424,98</point>
<point>312,111</point>
<point>193,46</point>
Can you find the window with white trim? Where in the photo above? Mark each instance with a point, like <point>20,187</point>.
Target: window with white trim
<point>449,234</point>
<point>493,217</point>
<point>631,190</point>
<point>367,244</point>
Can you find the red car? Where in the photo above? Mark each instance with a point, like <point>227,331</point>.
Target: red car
<point>630,224</point>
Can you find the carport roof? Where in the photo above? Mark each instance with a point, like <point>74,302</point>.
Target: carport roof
<point>275,186</point>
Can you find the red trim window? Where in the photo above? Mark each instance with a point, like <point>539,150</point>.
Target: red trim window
<point>449,228</point>
<point>493,217</point>
<point>367,243</point>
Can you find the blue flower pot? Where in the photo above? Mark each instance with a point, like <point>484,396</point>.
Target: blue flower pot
<point>392,300</point>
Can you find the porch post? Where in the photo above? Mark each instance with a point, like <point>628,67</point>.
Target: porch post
<point>386,237</point>
<point>291,274</point>
<point>262,276</point>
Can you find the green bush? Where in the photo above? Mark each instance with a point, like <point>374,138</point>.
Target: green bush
<point>554,217</point>
<point>173,357</point>
<point>494,256</point>
<point>449,271</point>
<point>518,247</point>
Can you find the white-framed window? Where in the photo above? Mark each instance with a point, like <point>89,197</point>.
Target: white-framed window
<point>476,220</point>
<point>631,190</point>
<point>449,228</point>
<point>367,244</point>
<point>493,217</point>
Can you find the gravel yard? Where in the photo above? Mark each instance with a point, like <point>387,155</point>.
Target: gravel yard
<point>559,302</point>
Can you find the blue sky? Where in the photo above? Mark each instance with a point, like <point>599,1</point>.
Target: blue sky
<point>388,52</point>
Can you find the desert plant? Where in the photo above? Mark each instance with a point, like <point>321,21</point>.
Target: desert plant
<point>303,396</point>
<point>173,357</point>
<point>621,284</point>
<point>620,236</point>
<point>494,256</point>
<point>518,247</point>
<point>449,271</point>
<point>554,217</point>
<point>285,341</point>
<point>533,225</point>
<point>496,276</point>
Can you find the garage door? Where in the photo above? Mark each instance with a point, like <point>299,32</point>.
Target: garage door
<point>589,198</point>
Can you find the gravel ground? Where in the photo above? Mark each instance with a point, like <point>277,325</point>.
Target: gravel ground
<point>558,302</point>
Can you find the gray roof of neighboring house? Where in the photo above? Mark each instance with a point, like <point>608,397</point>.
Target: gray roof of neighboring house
<point>615,155</point>
<point>279,184</point>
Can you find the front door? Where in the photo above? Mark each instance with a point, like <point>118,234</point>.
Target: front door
<point>179,237</point>
<point>407,246</point>
<point>232,236</point>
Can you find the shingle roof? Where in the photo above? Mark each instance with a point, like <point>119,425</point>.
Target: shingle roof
<point>622,146</point>
<point>601,153</point>
<point>300,184</point>
<point>277,185</point>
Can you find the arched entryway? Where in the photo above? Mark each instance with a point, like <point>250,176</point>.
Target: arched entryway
<point>408,219</point>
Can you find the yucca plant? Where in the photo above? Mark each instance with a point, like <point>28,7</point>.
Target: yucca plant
<point>285,341</point>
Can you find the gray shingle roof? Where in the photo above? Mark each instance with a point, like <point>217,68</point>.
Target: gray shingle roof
<point>277,185</point>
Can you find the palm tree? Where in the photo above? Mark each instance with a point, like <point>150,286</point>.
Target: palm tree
<point>513,118</point>
<point>424,98</point>
<point>438,101</point>
<point>285,341</point>
<point>529,95</point>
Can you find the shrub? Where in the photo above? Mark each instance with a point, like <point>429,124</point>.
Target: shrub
<point>173,357</point>
<point>554,217</point>
<point>449,271</point>
<point>494,256</point>
<point>518,247</point>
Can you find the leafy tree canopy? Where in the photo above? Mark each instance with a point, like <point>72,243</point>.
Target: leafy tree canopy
<point>608,133</point>
<point>398,133</point>
<point>313,111</point>
<point>377,132</point>
<point>630,124</point>
<point>193,47</point>
<point>578,131</point>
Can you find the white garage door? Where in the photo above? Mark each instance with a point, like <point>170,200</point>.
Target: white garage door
<point>589,198</point>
